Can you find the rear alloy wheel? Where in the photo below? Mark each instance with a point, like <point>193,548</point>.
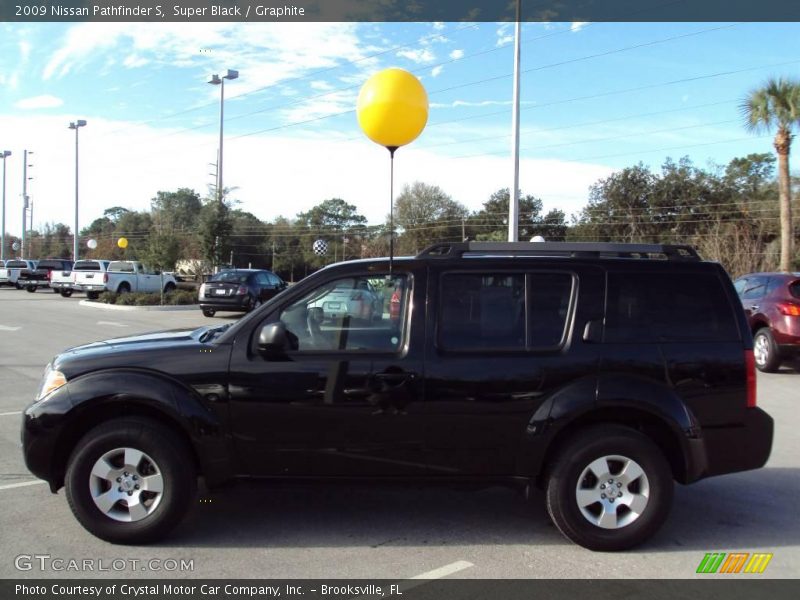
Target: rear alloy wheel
<point>610,488</point>
<point>66,293</point>
<point>209,312</point>
<point>127,481</point>
<point>765,351</point>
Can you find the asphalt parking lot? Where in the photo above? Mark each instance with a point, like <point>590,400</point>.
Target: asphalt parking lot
<point>301,531</point>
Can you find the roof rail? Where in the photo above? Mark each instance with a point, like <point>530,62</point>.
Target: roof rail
<point>568,249</point>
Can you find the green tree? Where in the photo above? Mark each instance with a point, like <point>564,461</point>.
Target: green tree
<point>214,230</point>
<point>776,105</point>
<point>426,215</point>
<point>491,222</point>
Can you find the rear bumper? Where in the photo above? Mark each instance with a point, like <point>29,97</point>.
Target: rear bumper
<point>234,303</point>
<point>723,450</point>
<point>89,288</point>
<point>33,283</point>
<point>57,285</point>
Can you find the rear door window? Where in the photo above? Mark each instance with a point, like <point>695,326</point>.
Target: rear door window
<point>673,307</point>
<point>86,265</point>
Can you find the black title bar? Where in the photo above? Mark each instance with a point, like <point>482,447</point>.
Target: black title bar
<point>398,10</point>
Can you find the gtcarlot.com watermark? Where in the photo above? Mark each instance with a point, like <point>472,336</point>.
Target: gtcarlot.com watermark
<point>47,562</point>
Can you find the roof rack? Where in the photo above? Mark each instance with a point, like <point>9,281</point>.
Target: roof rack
<point>566,249</point>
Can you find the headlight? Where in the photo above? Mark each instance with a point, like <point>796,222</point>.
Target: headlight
<point>51,381</point>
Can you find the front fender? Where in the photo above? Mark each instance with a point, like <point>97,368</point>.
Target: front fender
<point>52,427</point>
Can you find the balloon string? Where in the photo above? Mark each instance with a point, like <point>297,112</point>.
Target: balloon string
<point>391,207</point>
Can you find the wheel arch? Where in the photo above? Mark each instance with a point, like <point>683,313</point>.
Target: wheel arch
<point>106,395</point>
<point>665,436</point>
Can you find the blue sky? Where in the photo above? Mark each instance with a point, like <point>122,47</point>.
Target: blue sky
<point>595,97</point>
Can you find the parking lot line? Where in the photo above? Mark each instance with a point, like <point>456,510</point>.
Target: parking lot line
<point>21,484</point>
<point>446,570</point>
<point>9,414</point>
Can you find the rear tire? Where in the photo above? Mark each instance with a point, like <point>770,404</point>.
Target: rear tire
<point>766,352</point>
<point>92,295</point>
<point>170,287</point>
<point>31,289</point>
<point>55,291</point>
<point>636,493</point>
<point>66,293</point>
<point>123,288</point>
<point>209,312</point>
<point>155,460</point>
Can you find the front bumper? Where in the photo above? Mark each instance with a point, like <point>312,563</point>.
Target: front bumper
<point>736,448</point>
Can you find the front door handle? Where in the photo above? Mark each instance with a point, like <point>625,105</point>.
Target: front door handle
<point>754,307</point>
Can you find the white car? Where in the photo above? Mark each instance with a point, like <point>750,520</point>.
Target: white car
<point>123,276</point>
<point>356,298</point>
<point>84,273</point>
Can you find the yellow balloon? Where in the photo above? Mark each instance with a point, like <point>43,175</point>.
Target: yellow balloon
<point>392,108</point>
<point>122,242</point>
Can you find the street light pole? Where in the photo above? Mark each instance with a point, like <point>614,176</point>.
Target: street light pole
<point>25,199</point>
<point>76,125</point>
<point>220,81</point>
<point>4,155</point>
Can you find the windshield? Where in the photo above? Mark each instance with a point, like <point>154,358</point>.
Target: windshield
<point>16,264</point>
<point>231,277</point>
<point>52,264</point>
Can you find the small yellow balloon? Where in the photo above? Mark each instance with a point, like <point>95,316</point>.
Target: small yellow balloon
<point>392,108</point>
<point>122,242</point>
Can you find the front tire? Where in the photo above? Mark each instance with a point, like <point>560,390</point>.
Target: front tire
<point>766,352</point>
<point>609,488</point>
<point>130,481</point>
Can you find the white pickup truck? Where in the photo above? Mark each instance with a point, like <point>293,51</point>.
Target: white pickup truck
<point>125,276</point>
<point>84,272</point>
<point>10,273</point>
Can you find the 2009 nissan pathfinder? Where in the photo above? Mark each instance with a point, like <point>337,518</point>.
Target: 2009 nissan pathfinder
<point>601,372</point>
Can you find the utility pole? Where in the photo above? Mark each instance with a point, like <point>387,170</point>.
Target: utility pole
<point>24,201</point>
<point>272,263</point>
<point>76,125</point>
<point>463,229</point>
<point>4,155</point>
<point>513,196</point>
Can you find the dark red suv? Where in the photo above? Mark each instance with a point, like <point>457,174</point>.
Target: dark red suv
<point>772,304</point>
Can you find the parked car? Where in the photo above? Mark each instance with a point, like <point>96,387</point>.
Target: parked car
<point>61,282</point>
<point>9,275</point>
<point>238,290</point>
<point>361,301</point>
<point>33,279</point>
<point>85,273</point>
<point>601,373</point>
<point>124,276</point>
<point>771,302</point>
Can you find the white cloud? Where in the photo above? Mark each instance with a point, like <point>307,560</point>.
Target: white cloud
<point>133,61</point>
<point>456,54</point>
<point>576,26</point>
<point>264,169</point>
<point>438,25</point>
<point>421,55</point>
<point>24,50</point>
<point>320,85</point>
<point>44,101</point>
<point>436,71</point>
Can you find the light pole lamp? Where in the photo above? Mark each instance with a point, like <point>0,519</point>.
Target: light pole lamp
<point>4,155</point>
<point>76,125</point>
<point>220,81</point>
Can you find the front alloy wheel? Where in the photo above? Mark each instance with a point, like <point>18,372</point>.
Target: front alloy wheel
<point>609,488</point>
<point>130,481</point>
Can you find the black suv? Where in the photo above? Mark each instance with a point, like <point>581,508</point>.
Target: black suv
<point>599,372</point>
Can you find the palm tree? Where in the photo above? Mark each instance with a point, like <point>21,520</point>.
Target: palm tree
<point>777,105</point>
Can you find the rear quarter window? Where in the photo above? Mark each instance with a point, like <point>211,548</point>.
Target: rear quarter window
<point>794,288</point>
<point>668,307</point>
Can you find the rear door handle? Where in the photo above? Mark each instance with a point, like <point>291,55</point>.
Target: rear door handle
<point>754,307</point>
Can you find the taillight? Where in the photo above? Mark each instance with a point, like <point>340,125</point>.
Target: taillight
<point>356,296</point>
<point>49,275</point>
<point>750,368</point>
<point>241,291</point>
<point>105,277</point>
<point>789,309</point>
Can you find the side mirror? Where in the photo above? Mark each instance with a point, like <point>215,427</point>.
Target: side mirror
<point>593,332</point>
<point>272,338</point>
